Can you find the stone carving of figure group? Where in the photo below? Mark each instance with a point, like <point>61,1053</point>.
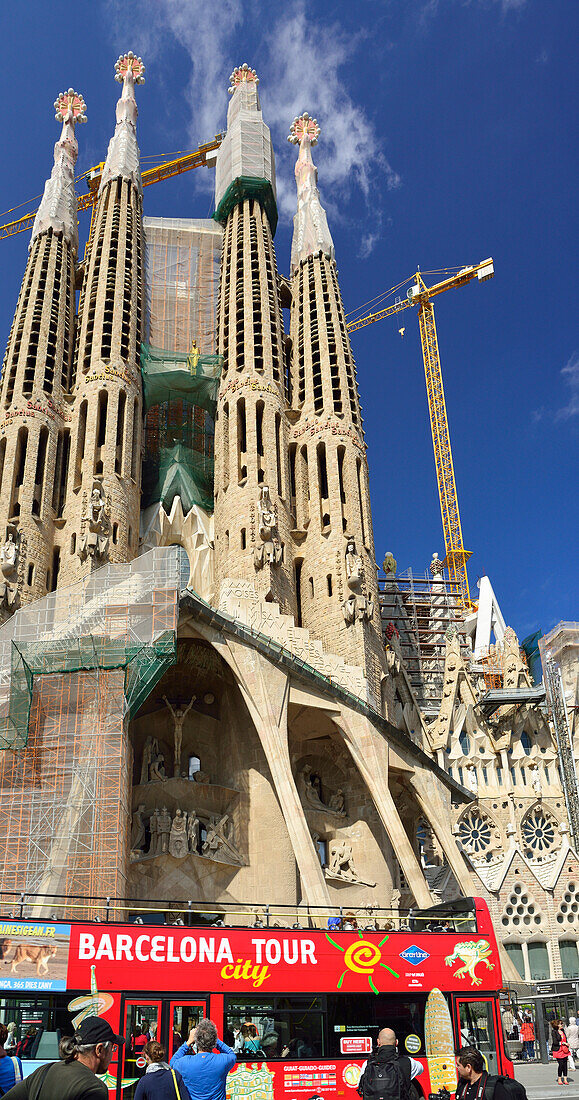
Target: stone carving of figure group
<point>153,762</point>
<point>358,605</point>
<point>335,805</point>
<point>179,835</point>
<point>95,539</point>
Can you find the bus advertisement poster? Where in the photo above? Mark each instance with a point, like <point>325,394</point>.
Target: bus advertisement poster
<point>249,960</point>
<point>35,955</point>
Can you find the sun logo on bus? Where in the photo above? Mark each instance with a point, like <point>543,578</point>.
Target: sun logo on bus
<point>362,957</point>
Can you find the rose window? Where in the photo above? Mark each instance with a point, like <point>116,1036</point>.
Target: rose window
<point>538,830</point>
<point>475,831</point>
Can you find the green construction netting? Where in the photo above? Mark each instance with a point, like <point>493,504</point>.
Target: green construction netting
<point>246,187</point>
<point>172,375</point>
<point>144,664</point>
<point>181,397</point>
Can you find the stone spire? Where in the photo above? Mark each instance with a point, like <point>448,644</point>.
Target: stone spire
<point>311,233</point>
<point>58,207</point>
<point>123,157</point>
<point>245,166</point>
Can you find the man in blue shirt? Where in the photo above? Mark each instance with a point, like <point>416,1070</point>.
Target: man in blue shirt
<point>204,1073</point>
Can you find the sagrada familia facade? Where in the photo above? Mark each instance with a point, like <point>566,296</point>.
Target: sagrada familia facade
<point>202,695</point>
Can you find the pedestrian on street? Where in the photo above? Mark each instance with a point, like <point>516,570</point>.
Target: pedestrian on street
<point>388,1074</point>
<point>74,1078</point>
<point>159,1081</point>
<point>572,1035</point>
<point>204,1072</point>
<point>10,1066</point>
<point>560,1050</point>
<point>528,1037</point>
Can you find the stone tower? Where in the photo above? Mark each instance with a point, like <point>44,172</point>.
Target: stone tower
<point>252,519</point>
<point>103,498</point>
<point>335,570</point>
<point>36,378</point>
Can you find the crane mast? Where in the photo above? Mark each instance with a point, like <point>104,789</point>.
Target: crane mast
<point>420,295</point>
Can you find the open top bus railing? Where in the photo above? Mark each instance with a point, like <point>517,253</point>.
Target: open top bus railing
<point>458,915</point>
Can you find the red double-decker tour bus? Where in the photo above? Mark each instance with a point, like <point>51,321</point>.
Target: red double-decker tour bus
<point>302,1007</point>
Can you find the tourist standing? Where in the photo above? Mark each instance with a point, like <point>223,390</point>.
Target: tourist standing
<point>10,1066</point>
<point>159,1081</point>
<point>205,1072</point>
<point>560,1050</point>
<point>528,1037</point>
<point>88,1053</point>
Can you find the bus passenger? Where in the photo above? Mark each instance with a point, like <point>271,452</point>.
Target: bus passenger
<point>158,1082</point>
<point>10,1066</point>
<point>205,1072</point>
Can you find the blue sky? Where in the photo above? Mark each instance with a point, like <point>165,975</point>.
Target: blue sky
<point>446,138</point>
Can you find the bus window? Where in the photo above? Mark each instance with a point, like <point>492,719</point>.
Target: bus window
<point>275,1027</point>
<point>363,1015</point>
<point>184,1016</point>
<point>477,1028</point>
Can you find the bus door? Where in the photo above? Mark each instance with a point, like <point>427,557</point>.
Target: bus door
<point>141,1022</point>
<point>183,1015</point>
<point>477,1025</point>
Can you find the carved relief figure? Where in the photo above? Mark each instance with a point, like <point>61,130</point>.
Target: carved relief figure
<point>154,833</point>
<point>157,768</point>
<point>150,750</point>
<point>193,831</point>
<point>95,539</point>
<point>342,860</point>
<point>271,548</point>
<point>218,842</point>
<point>164,830</point>
<point>353,565</point>
<point>178,845</point>
<point>138,829</point>
<point>179,715</point>
<point>337,802</point>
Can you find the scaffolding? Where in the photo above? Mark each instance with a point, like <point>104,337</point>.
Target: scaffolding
<point>421,609</point>
<point>84,658</point>
<point>559,651</point>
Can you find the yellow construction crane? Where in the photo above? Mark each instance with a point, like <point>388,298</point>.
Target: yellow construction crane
<point>420,295</point>
<point>198,158</point>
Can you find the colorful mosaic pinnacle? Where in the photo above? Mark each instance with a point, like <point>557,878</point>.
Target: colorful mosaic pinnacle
<point>242,74</point>
<point>128,63</point>
<point>70,105</point>
<point>304,126</point>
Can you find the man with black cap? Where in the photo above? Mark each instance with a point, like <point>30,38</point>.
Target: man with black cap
<point>74,1078</point>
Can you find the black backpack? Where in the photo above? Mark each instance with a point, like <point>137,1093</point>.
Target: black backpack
<point>503,1088</point>
<point>386,1080</point>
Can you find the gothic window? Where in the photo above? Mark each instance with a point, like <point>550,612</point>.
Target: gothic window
<point>194,766</point>
<point>521,911</point>
<point>526,743</point>
<point>569,907</point>
<point>464,742</point>
<point>475,831</point>
<point>538,832</point>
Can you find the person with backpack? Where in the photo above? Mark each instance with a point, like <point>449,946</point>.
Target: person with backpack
<point>10,1065</point>
<point>475,1083</point>
<point>387,1075</point>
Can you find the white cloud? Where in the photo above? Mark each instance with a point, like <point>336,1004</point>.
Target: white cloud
<point>570,373</point>
<point>307,69</point>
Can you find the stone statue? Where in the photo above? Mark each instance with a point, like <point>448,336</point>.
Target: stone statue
<point>95,539</point>
<point>218,843</point>
<point>164,830</point>
<point>472,778</point>
<point>342,860</point>
<point>389,564</point>
<point>10,551</point>
<point>96,507</point>
<point>270,549</point>
<point>311,792</point>
<point>202,777</point>
<point>193,831</point>
<point>150,750</point>
<point>349,610</point>
<point>353,565</point>
<point>154,832</point>
<point>138,829</point>
<point>265,514</point>
<point>178,841</point>
<point>337,802</point>
<point>436,566</point>
<point>179,716</point>
<point>157,768</point>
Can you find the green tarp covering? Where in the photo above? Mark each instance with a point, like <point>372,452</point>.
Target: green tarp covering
<point>180,394</point>
<point>246,187</point>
